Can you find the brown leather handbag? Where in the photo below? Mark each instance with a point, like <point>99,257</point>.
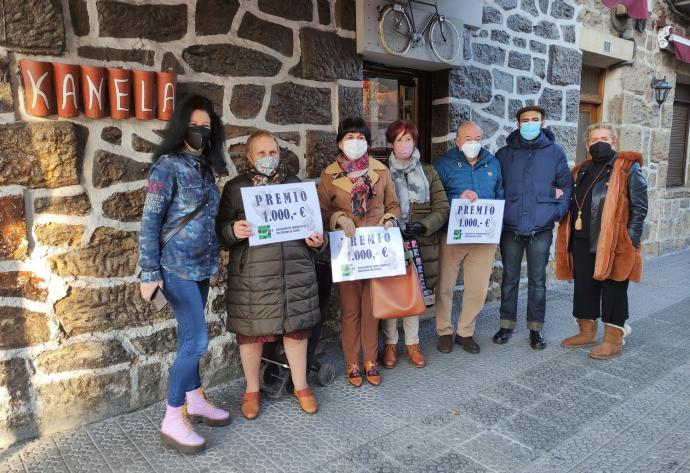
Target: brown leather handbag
<point>393,297</point>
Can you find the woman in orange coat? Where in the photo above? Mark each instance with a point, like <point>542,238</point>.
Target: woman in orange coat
<point>598,243</point>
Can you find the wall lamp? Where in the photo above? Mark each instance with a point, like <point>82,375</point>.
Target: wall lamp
<point>661,89</point>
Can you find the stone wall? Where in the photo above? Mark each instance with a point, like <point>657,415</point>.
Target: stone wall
<point>643,125</point>
<point>77,343</point>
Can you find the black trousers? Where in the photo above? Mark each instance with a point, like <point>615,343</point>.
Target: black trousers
<point>593,299</point>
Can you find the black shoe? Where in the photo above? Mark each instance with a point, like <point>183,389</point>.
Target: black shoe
<point>468,344</point>
<point>503,335</point>
<point>536,341</point>
<point>445,343</point>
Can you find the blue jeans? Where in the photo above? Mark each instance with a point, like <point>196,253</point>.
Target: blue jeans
<point>188,300</point>
<point>537,247</point>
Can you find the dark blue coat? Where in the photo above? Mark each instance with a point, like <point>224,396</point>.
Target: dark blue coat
<point>532,170</point>
<point>457,175</point>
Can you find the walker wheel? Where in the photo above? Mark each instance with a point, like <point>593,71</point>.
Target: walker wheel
<point>326,374</point>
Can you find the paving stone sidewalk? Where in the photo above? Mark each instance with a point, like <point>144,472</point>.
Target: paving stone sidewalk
<point>509,409</point>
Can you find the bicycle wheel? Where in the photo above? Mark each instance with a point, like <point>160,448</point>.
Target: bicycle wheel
<point>395,31</point>
<point>444,40</point>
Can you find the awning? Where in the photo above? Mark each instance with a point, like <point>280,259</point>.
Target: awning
<point>636,8</point>
<point>681,46</point>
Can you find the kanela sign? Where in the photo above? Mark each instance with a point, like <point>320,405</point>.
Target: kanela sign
<point>67,89</point>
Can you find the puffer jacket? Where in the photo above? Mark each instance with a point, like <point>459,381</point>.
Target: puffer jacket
<point>532,171</point>
<point>458,175</point>
<point>271,289</point>
<point>434,216</point>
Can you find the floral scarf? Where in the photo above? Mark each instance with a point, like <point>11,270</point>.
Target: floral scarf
<point>411,184</point>
<point>362,187</point>
<point>258,179</point>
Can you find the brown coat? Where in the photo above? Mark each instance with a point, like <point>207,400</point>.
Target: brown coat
<point>616,256</point>
<point>335,197</point>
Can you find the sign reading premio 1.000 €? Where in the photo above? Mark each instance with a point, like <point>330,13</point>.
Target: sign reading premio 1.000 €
<point>282,212</point>
<point>373,252</point>
<point>475,222</point>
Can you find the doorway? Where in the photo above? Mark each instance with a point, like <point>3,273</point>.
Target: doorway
<point>391,94</point>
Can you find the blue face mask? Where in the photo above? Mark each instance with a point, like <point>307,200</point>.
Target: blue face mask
<point>530,130</point>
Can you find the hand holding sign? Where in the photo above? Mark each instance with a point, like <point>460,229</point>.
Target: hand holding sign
<point>315,240</point>
<point>242,229</point>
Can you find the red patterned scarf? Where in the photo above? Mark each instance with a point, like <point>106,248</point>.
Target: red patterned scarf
<point>362,187</point>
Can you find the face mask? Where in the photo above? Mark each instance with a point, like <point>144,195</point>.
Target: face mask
<point>530,130</point>
<point>198,137</point>
<point>355,149</point>
<point>266,165</point>
<point>471,149</point>
<point>403,149</point>
<point>600,150</point>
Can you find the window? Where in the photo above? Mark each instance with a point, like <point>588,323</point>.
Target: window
<point>678,150</point>
<point>591,98</point>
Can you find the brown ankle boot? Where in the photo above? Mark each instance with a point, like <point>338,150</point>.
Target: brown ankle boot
<point>250,405</point>
<point>416,356</point>
<point>586,337</point>
<point>611,346</point>
<point>390,355</point>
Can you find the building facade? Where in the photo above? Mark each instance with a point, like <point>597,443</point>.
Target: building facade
<point>77,343</point>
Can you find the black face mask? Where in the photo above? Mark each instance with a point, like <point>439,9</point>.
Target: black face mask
<point>600,150</point>
<point>198,137</point>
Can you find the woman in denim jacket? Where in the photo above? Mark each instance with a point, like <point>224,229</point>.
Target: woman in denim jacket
<point>180,181</point>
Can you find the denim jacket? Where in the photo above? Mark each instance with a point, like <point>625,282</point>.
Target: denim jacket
<point>458,175</point>
<point>177,184</point>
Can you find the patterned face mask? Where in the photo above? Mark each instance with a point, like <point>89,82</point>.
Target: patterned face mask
<point>266,165</point>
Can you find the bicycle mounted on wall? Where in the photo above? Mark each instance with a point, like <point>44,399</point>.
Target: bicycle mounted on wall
<point>398,31</point>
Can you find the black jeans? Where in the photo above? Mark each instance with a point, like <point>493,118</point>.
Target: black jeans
<point>513,247</point>
<point>592,298</point>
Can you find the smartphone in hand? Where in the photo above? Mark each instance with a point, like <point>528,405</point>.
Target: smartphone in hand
<point>158,300</point>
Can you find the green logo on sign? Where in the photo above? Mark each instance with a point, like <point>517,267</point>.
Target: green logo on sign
<point>457,234</point>
<point>346,270</point>
<point>264,232</point>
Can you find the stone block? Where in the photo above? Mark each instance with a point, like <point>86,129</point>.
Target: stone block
<point>497,107</point>
<point>23,284</point>
<point>157,22</point>
<point>537,47</point>
<point>327,57</point>
<point>247,100</point>
<point>488,126</point>
<point>350,102</point>
<point>20,327</point>
<point>215,16</point>
<point>566,136</point>
<point>68,205</point>
<point>220,364</point>
<point>530,7</point>
<point>345,14</point>
<point>18,419</point>
<point>519,23</point>
<point>33,27</point>
<point>230,60</point>
<point>661,141</point>
<point>297,10</point>
<point>103,309</point>
<point>83,399</point>
<point>110,253</point>
<point>13,238</point>
<point>272,35</point>
<point>547,30</point>
<point>503,80</point>
<point>500,36</point>
<point>487,54</point>
<point>290,161</point>
<point>112,135</point>
<point>321,151</point>
<point>457,113</point>
<point>440,120</point>
<point>520,42</point>
<point>39,155</point>
<point>630,138</point>
<point>551,101</point>
<point>234,131</point>
<point>637,111</point>
<point>83,356</point>
<point>466,43</point>
<point>544,6</point>
<point>142,145</point>
<point>520,61</point>
<point>569,35</point>
<point>507,4</point>
<point>513,106</point>
<point>170,63</point>
<point>324,10</point>
<point>539,67</point>
<point>561,10</point>
<point>6,101</point>
<point>79,16</point>
<point>214,92</point>
<point>295,103</point>
<point>472,83</point>
<point>110,168</point>
<point>125,206</point>
<point>572,105</point>
<point>565,65</point>
<point>527,86</point>
<point>59,234</point>
<point>491,15</point>
<point>142,56</point>
<point>151,383</point>
<point>158,343</point>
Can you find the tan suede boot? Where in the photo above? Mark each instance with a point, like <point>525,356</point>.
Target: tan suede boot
<point>586,337</point>
<point>611,346</point>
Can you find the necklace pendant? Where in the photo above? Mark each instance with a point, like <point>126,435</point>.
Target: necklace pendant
<point>578,221</point>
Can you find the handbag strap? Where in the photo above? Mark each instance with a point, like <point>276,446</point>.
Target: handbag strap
<point>182,223</point>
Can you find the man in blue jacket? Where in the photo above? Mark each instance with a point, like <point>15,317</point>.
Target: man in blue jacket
<point>471,172</point>
<point>538,186</point>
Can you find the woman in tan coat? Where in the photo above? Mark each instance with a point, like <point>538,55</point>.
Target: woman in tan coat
<point>356,191</point>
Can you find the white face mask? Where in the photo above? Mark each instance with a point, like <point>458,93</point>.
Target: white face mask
<point>471,149</point>
<point>355,149</point>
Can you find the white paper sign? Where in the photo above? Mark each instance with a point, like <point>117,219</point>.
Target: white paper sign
<point>282,212</point>
<point>475,222</point>
<point>372,253</point>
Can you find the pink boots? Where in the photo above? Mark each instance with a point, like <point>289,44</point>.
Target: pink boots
<point>200,409</point>
<point>177,430</point>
